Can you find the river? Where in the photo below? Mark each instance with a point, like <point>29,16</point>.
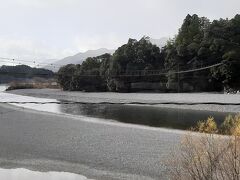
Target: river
<point>60,142</point>
<point>25,174</point>
<point>147,115</point>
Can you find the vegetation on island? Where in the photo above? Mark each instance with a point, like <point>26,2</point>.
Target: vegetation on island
<point>199,43</point>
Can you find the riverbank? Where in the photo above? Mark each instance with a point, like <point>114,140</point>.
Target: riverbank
<point>45,141</point>
<point>144,98</point>
<point>55,142</point>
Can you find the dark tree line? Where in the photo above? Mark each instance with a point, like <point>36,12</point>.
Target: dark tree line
<point>199,43</point>
<point>22,72</point>
<point>91,75</point>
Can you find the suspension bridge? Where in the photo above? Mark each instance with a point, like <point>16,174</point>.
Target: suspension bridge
<point>125,74</point>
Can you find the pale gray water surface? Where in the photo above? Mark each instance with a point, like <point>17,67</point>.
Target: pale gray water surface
<point>144,115</point>
<point>134,114</point>
<point>7,97</point>
<point>25,174</point>
<point>56,142</point>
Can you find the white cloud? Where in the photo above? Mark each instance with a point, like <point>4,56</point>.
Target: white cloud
<point>86,42</point>
<point>47,3</point>
<point>39,51</point>
<point>53,29</point>
<point>27,49</point>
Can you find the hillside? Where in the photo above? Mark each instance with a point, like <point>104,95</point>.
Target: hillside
<point>22,72</point>
<point>80,57</point>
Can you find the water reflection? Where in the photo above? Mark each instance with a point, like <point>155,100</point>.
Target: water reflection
<point>144,115</point>
<point>7,97</point>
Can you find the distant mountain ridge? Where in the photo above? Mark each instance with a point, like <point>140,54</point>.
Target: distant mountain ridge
<point>80,57</point>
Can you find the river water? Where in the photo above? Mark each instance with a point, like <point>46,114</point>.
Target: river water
<point>134,114</point>
<point>25,174</point>
<point>144,115</point>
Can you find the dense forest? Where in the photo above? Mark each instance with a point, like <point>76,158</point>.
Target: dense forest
<point>199,43</point>
<point>22,73</point>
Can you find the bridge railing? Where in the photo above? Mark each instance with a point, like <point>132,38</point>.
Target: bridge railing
<point>164,72</point>
<point>142,73</point>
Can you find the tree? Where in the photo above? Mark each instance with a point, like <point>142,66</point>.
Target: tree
<point>90,76</point>
<point>66,75</point>
<point>224,42</point>
<point>199,43</point>
<point>21,72</point>
<point>135,56</point>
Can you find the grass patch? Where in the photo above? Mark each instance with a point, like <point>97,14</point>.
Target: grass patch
<point>35,84</point>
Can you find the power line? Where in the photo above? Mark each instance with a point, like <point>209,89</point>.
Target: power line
<point>26,74</point>
<point>199,69</point>
<point>157,72</point>
<point>53,65</point>
<point>126,74</point>
<point>11,62</point>
<point>36,64</point>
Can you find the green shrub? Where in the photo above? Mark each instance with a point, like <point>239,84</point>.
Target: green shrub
<point>231,125</point>
<point>207,126</point>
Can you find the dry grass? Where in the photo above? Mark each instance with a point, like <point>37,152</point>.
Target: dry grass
<point>208,156</point>
<point>34,84</point>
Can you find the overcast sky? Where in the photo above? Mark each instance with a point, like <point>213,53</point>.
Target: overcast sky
<point>53,29</point>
